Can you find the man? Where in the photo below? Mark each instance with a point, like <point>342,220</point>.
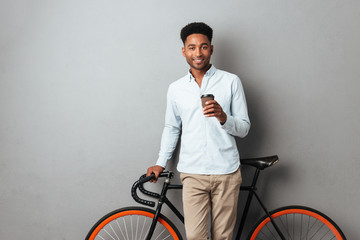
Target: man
<point>209,160</point>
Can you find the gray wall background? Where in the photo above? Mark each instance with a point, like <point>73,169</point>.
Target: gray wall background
<point>82,100</point>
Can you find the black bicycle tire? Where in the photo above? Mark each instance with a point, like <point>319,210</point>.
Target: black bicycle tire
<point>132,208</point>
<point>338,229</point>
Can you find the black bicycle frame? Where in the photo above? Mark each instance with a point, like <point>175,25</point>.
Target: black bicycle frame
<point>252,192</point>
<point>163,199</point>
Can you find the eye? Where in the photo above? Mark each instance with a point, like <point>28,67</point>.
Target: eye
<point>204,47</point>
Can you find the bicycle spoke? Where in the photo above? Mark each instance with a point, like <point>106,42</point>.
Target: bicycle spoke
<point>166,237</point>
<point>286,228</point>
<point>147,232</point>
<point>117,222</point>
<point>132,229</point>
<point>137,227</point>
<point>307,233</point>
<point>126,231</point>
<point>262,234</point>
<point>142,229</point>
<point>160,234</point>
<point>293,225</point>
<point>109,234</point>
<point>271,232</point>
<point>301,226</point>
<point>265,235</point>
<point>287,225</point>
<point>311,227</point>
<point>317,231</point>
<point>325,234</point>
<point>114,232</point>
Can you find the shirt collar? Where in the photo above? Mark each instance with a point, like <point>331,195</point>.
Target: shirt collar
<point>209,73</point>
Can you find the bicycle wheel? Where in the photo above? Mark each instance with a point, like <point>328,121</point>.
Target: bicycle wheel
<point>132,223</point>
<point>297,222</point>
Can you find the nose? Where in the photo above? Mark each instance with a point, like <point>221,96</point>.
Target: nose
<point>198,52</point>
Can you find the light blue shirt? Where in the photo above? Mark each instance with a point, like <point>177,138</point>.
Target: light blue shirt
<point>207,147</point>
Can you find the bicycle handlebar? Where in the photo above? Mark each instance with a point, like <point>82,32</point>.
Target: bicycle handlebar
<point>139,184</point>
<point>146,192</point>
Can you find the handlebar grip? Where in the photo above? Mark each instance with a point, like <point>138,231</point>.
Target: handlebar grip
<point>146,192</point>
<point>136,185</point>
<point>139,184</point>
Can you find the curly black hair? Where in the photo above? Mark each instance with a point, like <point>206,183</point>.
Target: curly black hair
<point>196,27</point>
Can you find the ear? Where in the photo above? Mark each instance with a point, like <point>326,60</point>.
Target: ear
<point>183,51</point>
<point>211,49</point>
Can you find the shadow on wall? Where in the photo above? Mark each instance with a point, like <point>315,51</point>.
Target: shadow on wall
<point>225,58</point>
<point>257,141</point>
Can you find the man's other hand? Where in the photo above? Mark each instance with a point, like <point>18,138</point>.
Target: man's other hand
<point>156,170</point>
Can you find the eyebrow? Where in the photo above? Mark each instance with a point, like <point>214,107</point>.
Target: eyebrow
<point>191,45</point>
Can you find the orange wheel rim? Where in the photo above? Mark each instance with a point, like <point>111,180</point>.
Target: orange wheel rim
<point>132,212</point>
<point>300,211</point>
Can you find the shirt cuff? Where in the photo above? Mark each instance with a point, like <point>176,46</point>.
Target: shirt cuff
<point>162,161</point>
<point>229,124</point>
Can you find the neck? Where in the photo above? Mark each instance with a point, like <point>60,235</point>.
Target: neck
<point>199,74</point>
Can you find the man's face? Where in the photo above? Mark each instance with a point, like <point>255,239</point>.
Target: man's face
<point>197,50</point>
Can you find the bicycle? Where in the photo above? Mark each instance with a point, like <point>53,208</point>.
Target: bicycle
<point>285,223</point>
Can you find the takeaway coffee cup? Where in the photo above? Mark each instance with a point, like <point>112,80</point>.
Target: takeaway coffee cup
<point>205,98</point>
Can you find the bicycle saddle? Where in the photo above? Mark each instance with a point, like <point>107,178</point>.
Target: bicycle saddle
<point>260,163</point>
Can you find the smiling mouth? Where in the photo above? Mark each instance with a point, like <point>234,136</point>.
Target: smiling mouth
<point>198,60</point>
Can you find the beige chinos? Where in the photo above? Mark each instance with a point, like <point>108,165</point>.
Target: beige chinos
<point>215,193</point>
